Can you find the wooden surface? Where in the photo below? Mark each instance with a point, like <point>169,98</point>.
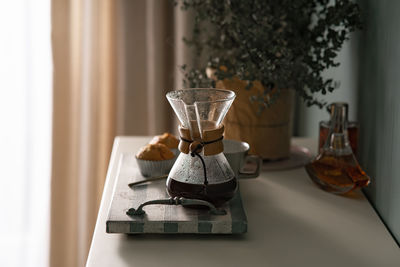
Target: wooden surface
<point>291,222</point>
<point>165,219</point>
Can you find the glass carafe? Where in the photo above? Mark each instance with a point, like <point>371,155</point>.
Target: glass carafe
<point>201,171</point>
<point>336,169</point>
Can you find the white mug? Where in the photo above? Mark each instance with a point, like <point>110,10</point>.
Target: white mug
<point>236,152</point>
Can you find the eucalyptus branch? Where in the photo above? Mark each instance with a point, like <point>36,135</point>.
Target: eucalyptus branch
<point>281,43</point>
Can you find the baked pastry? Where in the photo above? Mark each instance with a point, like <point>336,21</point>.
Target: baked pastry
<point>155,152</point>
<point>167,139</point>
<point>155,160</point>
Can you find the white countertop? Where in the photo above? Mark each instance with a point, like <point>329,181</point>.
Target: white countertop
<point>291,222</point>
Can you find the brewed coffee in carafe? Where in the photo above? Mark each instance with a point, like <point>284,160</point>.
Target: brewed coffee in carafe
<point>201,171</point>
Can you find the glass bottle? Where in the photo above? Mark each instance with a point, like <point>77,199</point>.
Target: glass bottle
<point>352,130</point>
<point>336,169</point>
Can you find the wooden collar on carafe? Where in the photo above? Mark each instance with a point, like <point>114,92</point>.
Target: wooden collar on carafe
<point>212,141</point>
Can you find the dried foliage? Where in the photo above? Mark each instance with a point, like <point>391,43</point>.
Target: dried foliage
<point>281,43</point>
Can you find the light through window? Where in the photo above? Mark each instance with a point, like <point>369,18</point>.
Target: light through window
<point>25,132</point>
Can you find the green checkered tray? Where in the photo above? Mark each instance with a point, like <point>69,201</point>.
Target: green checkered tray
<point>165,219</point>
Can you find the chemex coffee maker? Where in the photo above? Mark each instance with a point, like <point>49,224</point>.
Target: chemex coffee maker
<point>201,171</point>
<point>201,176</point>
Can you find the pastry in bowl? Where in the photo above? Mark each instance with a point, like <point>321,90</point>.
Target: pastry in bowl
<point>167,139</point>
<point>155,160</point>
<point>155,152</point>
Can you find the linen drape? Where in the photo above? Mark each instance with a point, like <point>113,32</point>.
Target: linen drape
<point>84,112</point>
<point>113,63</point>
<point>150,52</point>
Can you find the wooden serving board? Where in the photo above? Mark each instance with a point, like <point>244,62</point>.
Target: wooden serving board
<point>164,219</point>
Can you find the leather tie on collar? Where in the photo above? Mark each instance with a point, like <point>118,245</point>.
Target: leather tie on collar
<point>211,142</point>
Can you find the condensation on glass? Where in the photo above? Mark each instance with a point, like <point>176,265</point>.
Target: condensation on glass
<point>201,110</point>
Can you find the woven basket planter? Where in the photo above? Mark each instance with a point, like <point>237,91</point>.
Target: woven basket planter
<point>268,133</point>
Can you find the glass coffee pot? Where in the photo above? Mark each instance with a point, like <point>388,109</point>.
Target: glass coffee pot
<point>201,171</point>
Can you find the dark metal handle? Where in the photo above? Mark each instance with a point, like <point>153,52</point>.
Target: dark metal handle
<point>176,201</point>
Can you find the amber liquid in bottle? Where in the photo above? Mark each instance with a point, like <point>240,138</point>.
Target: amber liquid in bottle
<point>336,169</point>
<point>337,174</point>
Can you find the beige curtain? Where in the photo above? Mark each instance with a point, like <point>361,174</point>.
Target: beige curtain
<point>113,63</point>
<point>150,52</point>
<point>84,121</point>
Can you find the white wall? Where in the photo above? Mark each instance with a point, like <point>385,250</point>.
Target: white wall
<point>307,118</point>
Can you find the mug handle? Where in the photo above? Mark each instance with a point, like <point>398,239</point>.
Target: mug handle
<point>256,173</point>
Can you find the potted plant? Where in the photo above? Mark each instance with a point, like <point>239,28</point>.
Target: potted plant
<point>267,51</point>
